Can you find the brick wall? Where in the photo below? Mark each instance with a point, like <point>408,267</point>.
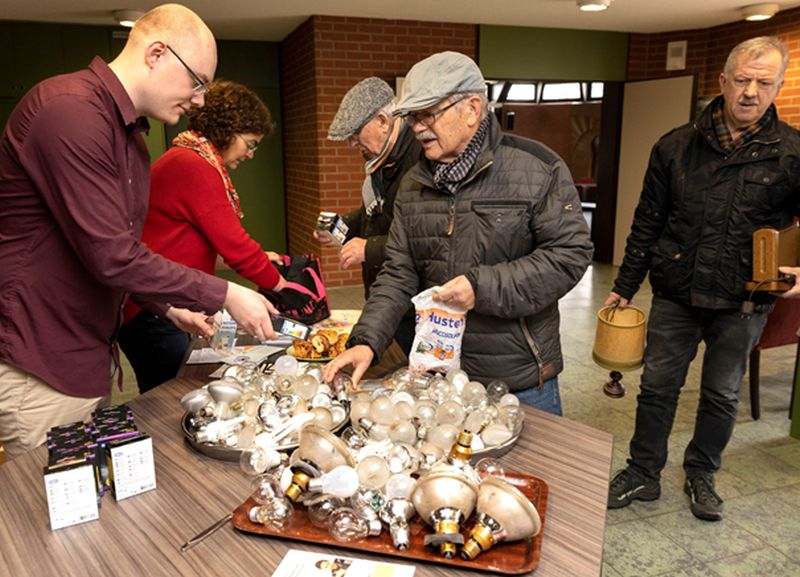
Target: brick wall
<point>707,50</point>
<point>320,62</point>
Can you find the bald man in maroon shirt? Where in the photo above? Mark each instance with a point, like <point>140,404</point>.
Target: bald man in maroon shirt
<point>74,184</point>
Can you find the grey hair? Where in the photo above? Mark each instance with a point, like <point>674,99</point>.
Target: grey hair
<point>481,95</point>
<point>755,48</point>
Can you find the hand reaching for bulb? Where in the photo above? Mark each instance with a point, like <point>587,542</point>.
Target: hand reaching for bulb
<point>359,357</point>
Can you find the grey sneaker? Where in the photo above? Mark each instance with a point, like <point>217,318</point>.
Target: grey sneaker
<point>706,504</point>
<point>628,486</point>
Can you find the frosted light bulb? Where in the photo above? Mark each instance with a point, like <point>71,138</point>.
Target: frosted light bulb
<point>359,409</point>
<point>403,411</point>
<point>322,417</point>
<point>286,365</point>
<point>399,486</point>
<point>404,458</point>
<point>443,436</point>
<point>346,525</point>
<point>401,378</point>
<point>305,386</point>
<point>425,412</point>
<point>403,432</point>
<point>441,390</point>
<point>475,421</point>
<point>341,481</point>
<point>496,390</point>
<point>450,413</point>
<point>458,378</point>
<point>509,400</point>
<point>381,410</point>
<point>495,434</point>
<point>373,472</point>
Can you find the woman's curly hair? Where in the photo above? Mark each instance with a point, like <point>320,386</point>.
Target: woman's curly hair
<point>231,108</point>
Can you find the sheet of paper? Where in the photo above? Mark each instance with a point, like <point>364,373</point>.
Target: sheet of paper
<point>71,496</point>
<point>239,355</point>
<point>310,564</point>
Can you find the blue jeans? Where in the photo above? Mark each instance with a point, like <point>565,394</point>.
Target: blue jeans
<point>155,348</point>
<point>547,398</point>
<point>673,333</point>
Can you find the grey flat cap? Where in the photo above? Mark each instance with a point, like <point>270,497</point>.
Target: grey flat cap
<point>437,77</point>
<point>361,103</point>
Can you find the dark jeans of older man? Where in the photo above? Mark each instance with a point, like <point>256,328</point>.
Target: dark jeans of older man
<point>673,334</point>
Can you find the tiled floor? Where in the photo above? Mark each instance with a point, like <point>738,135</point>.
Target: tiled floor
<point>759,480</point>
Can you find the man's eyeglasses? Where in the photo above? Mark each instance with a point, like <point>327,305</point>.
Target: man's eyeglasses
<point>201,87</point>
<point>427,117</point>
<point>251,145</point>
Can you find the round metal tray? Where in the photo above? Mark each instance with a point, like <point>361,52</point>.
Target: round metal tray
<point>498,450</point>
<point>230,453</point>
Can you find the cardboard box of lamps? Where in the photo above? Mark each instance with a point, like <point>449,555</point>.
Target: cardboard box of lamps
<point>86,460</point>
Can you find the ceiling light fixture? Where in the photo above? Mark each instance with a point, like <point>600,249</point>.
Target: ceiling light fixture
<point>756,12</point>
<point>593,5</point>
<point>127,18</point>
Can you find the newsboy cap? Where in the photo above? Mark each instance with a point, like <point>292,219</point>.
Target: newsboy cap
<point>432,80</point>
<point>361,103</point>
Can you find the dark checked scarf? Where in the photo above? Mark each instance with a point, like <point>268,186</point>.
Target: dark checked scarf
<point>448,175</point>
<point>208,152</point>
<point>724,135</point>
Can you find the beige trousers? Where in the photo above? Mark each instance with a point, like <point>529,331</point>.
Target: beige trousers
<point>29,408</point>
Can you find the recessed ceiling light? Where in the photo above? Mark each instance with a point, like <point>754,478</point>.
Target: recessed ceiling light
<point>127,18</point>
<point>756,12</point>
<point>593,5</point>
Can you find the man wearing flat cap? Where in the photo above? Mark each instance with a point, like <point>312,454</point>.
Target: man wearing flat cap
<point>365,121</point>
<point>491,218</point>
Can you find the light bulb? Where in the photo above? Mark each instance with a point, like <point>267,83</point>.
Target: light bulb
<point>403,432</point>
<point>381,410</point>
<point>495,434</point>
<point>265,487</point>
<point>396,513</point>
<point>404,458</point>
<point>401,378</point>
<point>305,386</point>
<point>346,525</point>
<point>509,400</point>
<point>274,514</point>
<point>342,383</point>
<point>257,460</point>
<point>321,507</point>
<point>496,390</point>
<point>286,365</point>
<point>285,385</point>
<point>489,467</point>
<point>359,409</point>
<point>511,416</point>
<point>450,413</point>
<point>425,413</point>
<point>373,472</point>
<point>443,436</point>
<point>441,390</point>
<point>458,378</point>
<point>354,438</point>
<point>476,421</point>
<point>322,417</point>
<point>342,481</point>
<point>399,486</point>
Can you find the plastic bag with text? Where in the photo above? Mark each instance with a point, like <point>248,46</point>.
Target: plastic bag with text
<point>437,343</point>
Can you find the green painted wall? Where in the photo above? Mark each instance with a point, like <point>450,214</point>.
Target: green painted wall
<point>515,53</point>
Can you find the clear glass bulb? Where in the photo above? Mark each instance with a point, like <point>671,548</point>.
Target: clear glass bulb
<point>458,378</point>
<point>450,413</point>
<point>511,416</point>
<point>373,472</point>
<point>305,386</point>
<point>496,390</point>
<point>253,461</point>
<point>341,481</point>
<point>285,384</point>
<point>441,390</point>
<point>321,507</point>
<point>359,408</point>
<point>346,525</point>
<point>354,438</point>
<point>342,382</point>
<point>264,487</point>
<point>399,486</point>
<point>275,513</point>
<point>286,365</point>
<point>475,421</point>
<point>425,412</point>
<point>489,467</point>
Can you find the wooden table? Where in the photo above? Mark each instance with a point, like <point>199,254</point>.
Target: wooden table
<point>141,536</point>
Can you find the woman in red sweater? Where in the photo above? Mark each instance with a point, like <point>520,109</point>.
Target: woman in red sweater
<point>194,215</point>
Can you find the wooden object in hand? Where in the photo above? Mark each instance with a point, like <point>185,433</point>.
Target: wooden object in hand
<point>773,248</point>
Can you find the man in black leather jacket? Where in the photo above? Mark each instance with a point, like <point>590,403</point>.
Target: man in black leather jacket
<point>709,185</point>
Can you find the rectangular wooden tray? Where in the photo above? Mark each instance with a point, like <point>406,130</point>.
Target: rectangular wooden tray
<point>508,558</point>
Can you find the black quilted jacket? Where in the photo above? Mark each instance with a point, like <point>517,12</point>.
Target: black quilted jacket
<point>518,227</point>
<point>699,207</point>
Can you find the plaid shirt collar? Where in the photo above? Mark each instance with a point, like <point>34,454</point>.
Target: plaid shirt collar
<point>746,135</point>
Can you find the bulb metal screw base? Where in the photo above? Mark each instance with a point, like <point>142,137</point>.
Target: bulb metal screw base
<point>480,540</point>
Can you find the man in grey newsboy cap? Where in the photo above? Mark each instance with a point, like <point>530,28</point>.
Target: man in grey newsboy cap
<point>491,218</point>
<point>365,121</point>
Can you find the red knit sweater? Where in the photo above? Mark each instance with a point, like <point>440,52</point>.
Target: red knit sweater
<point>190,221</point>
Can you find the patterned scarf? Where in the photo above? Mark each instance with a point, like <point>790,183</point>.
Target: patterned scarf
<point>448,175</point>
<point>724,136</point>
<point>208,152</point>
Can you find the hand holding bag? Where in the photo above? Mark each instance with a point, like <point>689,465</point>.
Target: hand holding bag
<point>304,297</point>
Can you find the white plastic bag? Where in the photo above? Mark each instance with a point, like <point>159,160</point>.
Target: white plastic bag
<point>437,343</point>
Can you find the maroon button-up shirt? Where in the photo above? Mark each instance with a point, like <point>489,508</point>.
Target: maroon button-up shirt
<point>74,185</point>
